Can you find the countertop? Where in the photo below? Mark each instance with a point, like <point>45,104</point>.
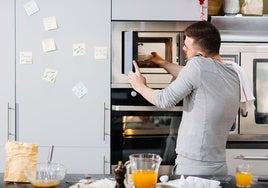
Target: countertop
<point>70,179</point>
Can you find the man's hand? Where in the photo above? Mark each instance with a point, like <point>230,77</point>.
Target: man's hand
<point>157,59</point>
<point>138,82</point>
<point>136,79</point>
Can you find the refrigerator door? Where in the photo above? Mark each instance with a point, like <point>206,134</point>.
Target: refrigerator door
<point>63,72</point>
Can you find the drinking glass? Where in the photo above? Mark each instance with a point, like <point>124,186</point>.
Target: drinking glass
<point>243,175</point>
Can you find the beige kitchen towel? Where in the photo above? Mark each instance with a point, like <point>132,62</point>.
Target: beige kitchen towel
<point>18,156</point>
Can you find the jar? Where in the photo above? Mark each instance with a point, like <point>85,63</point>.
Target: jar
<point>215,7</point>
<point>231,7</point>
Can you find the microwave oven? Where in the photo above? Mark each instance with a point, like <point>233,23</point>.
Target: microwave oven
<point>136,40</point>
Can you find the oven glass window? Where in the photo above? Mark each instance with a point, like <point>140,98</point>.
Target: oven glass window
<point>260,82</point>
<point>146,45</point>
<point>145,132</point>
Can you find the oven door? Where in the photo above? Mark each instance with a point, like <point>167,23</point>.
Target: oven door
<point>144,129</point>
<point>256,66</point>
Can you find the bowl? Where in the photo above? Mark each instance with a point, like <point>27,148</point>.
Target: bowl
<point>45,174</point>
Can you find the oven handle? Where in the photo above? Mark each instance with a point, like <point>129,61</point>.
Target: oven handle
<point>145,108</point>
<point>251,157</point>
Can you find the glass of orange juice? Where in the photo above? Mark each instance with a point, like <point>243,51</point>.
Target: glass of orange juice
<point>142,170</point>
<point>243,175</point>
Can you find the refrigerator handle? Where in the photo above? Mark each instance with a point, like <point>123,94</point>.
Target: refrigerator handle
<point>104,122</point>
<point>9,133</point>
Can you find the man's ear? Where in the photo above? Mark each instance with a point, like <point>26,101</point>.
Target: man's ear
<point>202,53</point>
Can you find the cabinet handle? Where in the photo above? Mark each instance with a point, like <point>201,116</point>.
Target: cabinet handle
<point>9,133</point>
<point>104,122</point>
<point>251,157</point>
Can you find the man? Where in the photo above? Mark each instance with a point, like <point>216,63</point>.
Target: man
<point>210,92</point>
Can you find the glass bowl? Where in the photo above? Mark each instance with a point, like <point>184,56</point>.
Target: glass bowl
<point>45,174</point>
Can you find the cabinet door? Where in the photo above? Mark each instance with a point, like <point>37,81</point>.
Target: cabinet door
<point>48,110</point>
<point>257,157</point>
<point>79,160</point>
<point>182,10</point>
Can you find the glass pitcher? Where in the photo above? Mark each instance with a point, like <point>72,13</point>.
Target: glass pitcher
<point>142,170</point>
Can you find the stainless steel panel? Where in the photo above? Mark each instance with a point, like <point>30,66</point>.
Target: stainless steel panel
<point>242,28</point>
<point>144,108</point>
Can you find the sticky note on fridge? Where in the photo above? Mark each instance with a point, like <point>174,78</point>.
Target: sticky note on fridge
<point>50,23</point>
<point>50,75</point>
<point>26,58</point>
<point>80,90</point>
<point>31,7</point>
<point>79,49</point>
<point>48,45</point>
<point>100,53</point>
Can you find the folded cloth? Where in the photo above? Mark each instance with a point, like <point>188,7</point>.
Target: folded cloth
<point>193,182</point>
<point>246,95</point>
<point>103,183</point>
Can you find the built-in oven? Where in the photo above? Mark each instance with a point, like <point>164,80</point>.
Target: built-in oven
<point>139,127</point>
<point>253,58</point>
<point>251,44</point>
<point>256,67</point>
<point>136,41</point>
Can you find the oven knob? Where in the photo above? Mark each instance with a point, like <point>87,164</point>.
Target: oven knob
<point>133,93</point>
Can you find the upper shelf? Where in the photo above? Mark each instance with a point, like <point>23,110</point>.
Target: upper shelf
<point>240,28</point>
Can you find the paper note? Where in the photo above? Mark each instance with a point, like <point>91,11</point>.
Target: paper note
<point>50,23</point>
<point>31,7</point>
<point>50,75</point>
<point>48,45</point>
<point>26,58</point>
<point>100,53</point>
<point>79,90</point>
<point>79,49</point>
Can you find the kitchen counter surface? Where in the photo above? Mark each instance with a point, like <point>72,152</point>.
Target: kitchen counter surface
<point>70,179</point>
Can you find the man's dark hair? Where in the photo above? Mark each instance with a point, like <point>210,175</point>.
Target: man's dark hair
<point>206,36</point>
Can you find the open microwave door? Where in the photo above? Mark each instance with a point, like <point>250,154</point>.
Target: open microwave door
<point>130,50</point>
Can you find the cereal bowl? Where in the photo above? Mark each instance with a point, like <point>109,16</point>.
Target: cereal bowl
<point>46,175</point>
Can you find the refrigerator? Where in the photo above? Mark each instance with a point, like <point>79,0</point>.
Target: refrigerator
<point>60,86</point>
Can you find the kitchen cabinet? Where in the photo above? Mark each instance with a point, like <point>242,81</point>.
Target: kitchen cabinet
<point>46,109</point>
<point>183,10</point>
<point>257,157</point>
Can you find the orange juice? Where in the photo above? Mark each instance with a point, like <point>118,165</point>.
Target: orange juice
<point>44,184</point>
<point>144,178</point>
<point>243,179</point>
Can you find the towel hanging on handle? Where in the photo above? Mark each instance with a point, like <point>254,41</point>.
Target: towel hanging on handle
<point>246,96</point>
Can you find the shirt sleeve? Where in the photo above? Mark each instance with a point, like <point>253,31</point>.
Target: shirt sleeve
<point>187,81</point>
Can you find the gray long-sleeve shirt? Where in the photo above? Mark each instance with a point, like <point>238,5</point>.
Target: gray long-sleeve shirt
<point>210,93</point>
